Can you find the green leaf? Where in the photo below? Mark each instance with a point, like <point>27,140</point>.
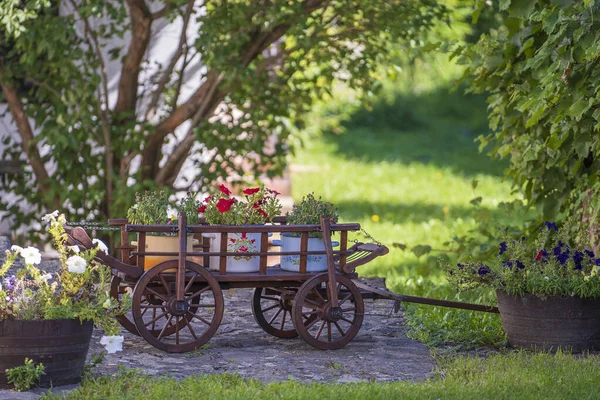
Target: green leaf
<point>476,201</point>
<point>474,184</point>
<point>421,250</point>
<point>521,8</point>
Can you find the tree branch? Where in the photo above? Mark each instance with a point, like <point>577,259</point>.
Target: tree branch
<point>27,137</point>
<point>141,22</point>
<point>179,154</point>
<point>166,76</point>
<point>102,111</point>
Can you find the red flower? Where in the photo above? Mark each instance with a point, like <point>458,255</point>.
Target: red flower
<point>539,255</point>
<point>202,208</point>
<point>243,249</point>
<point>224,190</point>
<point>251,190</point>
<point>258,203</point>
<point>232,240</point>
<point>261,212</point>
<point>207,199</point>
<point>244,235</point>
<point>224,205</point>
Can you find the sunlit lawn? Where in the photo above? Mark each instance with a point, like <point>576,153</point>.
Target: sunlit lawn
<point>411,188</point>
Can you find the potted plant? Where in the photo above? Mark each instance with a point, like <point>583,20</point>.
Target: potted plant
<point>155,208</point>
<point>48,318</point>
<point>307,212</point>
<point>258,206</point>
<point>548,291</point>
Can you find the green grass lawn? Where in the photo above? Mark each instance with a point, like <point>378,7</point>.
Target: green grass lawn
<point>513,376</point>
<point>412,187</point>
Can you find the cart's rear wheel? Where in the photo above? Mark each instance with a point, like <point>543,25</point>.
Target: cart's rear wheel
<point>155,308</point>
<point>321,325</point>
<point>272,309</point>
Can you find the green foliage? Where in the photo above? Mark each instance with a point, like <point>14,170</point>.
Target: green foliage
<point>90,367</point>
<point>25,376</point>
<point>309,211</point>
<point>496,377</point>
<point>550,265</point>
<point>258,206</point>
<point>540,71</point>
<point>155,208</point>
<point>80,290</point>
<point>262,67</point>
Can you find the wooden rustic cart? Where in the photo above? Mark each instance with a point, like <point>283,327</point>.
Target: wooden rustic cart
<point>178,304</point>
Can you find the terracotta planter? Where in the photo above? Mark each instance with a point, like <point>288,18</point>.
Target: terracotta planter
<point>61,345</point>
<point>532,322</point>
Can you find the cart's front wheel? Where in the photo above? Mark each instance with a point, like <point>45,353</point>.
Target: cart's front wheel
<point>156,311</point>
<point>319,323</point>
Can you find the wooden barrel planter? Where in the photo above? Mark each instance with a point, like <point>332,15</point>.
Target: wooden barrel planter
<point>532,322</point>
<point>61,345</point>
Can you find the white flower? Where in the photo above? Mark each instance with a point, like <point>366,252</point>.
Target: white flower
<point>74,249</point>
<point>31,255</point>
<point>101,245</point>
<point>14,248</point>
<point>546,278</point>
<point>129,291</point>
<point>172,213</point>
<point>61,219</point>
<point>112,344</point>
<point>51,216</point>
<point>106,303</point>
<point>76,264</point>
<point>46,277</point>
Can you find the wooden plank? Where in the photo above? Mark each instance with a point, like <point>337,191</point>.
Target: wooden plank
<point>180,283</point>
<point>326,228</point>
<point>141,248</point>
<point>264,247</point>
<point>248,228</point>
<point>303,251</point>
<point>222,258</point>
<point>343,248</point>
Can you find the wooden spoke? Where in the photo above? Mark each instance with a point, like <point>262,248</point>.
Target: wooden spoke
<point>160,296</point>
<point>165,285</point>
<point>165,327</point>
<point>153,321</point>
<point>198,318</point>
<point>340,330</point>
<point>312,319</point>
<point>199,292</point>
<point>271,311</point>
<point>189,284</point>
<point>275,316</point>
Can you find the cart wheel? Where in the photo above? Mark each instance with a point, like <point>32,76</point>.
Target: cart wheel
<point>272,309</point>
<point>116,291</point>
<point>155,308</point>
<point>321,325</point>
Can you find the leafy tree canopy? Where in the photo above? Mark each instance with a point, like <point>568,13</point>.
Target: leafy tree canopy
<point>541,71</point>
<point>258,66</point>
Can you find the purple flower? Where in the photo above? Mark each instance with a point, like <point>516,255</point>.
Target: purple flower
<point>508,264</point>
<point>551,225</point>
<point>460,266</point>
<point>597,261</point>
<point>483,270</point>
<point>520,265</point>
<point>578,258</point>
<point>502,248</point>
<point>10,283</point>
<point>563,257</point>
<point>589,253</point>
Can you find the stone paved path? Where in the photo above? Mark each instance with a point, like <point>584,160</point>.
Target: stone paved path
<point>380,352</point>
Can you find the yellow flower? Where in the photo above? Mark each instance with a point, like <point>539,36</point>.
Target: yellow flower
<point>375,218</point>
